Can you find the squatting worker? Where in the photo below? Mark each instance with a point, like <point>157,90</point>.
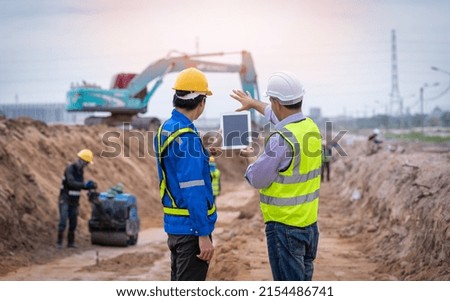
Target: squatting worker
<point>288,176</point>
<point>69,196</point>
<point>185,181</point>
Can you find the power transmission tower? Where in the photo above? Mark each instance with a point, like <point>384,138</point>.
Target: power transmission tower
<point>396,102</point>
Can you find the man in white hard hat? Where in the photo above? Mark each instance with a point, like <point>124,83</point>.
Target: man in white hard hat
<point>288,176</point>
<point>374,142</point>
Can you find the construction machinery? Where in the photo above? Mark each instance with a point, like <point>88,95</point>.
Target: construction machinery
<point>114,219</point>
<point>129,94</point>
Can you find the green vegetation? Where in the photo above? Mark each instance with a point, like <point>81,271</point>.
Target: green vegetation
<point>417,136</point>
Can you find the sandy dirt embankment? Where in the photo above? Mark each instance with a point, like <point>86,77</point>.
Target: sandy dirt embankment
<point>383,217</point>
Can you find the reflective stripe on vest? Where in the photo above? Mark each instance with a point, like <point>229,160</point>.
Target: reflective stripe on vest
<point>74,192</point>
<point>174,210</point>
<point>185,212</point>
<point>161,148</point>
<point>192,184</point>
<point>293,197</point>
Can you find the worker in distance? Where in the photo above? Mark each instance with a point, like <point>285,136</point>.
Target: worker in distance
<point>69,197</point>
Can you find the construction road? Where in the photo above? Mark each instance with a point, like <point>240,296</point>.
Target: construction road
<point>240,249</point>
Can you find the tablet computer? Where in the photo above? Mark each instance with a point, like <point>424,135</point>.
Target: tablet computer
<point>236,130</point>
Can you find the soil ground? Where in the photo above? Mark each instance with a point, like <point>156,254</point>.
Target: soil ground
<point>241,252</point>
<point>382,217</point>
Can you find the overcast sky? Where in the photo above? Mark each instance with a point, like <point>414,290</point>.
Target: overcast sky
<point>340,50</point>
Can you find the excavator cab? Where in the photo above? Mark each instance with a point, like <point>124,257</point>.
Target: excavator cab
<point>121,81</point>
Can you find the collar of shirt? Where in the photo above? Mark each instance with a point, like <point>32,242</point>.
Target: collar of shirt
<point>280,124</point>
<point>182,119</point>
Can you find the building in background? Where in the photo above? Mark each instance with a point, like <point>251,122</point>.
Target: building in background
<point>209,124</point>
<point>315,114</point>
<point>46,112</point>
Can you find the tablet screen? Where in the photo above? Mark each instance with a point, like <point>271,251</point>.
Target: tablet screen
<point>236,130</point>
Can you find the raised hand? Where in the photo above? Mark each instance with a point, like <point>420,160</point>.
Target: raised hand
<point>248,102</point>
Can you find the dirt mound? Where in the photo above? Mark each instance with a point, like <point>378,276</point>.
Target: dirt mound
<point>127,261</point>
<point>398,203</point>
<point>32,160</point>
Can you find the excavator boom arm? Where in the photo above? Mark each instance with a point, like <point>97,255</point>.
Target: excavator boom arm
<point>127,102</point>
<point>164,66</point>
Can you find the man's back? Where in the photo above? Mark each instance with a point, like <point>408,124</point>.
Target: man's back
<point>187,178</point>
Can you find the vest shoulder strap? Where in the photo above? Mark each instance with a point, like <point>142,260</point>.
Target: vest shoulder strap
<point>174,135</point>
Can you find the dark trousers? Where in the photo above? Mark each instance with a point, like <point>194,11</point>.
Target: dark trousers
<point>68,212</point>
<point>185,264</point>
<point>325,167</point>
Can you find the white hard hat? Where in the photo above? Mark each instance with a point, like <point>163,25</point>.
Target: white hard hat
<point>286,87</point>
<point>376,131</point>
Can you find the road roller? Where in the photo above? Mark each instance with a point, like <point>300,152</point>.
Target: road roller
<point>114,219</point>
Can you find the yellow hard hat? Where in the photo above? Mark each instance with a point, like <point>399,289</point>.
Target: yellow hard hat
<point>193,80</point>
<point>86,155</point>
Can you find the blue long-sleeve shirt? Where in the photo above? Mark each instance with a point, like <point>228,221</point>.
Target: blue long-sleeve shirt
<point>186,165</point>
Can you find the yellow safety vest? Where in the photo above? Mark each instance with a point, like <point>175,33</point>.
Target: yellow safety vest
<point>293,198</point>
<point>162,146</point>
<point>215,176</point>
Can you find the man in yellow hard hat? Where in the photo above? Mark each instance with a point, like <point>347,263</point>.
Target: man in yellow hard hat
<point>69,196</point>
<point>185,181</point>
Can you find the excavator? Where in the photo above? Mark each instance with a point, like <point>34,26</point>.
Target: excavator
<point>129,94</point>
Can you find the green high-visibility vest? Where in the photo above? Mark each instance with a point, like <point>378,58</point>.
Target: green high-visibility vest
<point>215,176</point>
<point>293,198</point>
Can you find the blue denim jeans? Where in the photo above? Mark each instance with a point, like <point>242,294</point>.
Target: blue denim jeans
<point>292,251</point>
<point>70,212</point>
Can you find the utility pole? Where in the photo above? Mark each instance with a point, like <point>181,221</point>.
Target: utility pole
<point>396,99</point>
<point>197,45</point>
<point>422,101</point>
<point>422,117</point>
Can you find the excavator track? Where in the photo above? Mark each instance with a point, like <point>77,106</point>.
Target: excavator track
<point>119,239</point>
